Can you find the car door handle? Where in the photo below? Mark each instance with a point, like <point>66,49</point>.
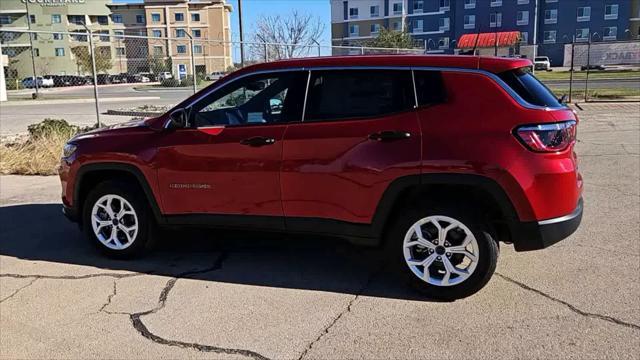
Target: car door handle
<point>389,135</point>
<point>258,141</point>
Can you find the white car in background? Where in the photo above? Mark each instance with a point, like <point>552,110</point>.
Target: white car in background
<point>42,82</point>
<point>216,75</point>
<point>165,75</point>
<point>542,63</point>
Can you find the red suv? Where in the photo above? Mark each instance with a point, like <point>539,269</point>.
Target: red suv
<point>439,158</point>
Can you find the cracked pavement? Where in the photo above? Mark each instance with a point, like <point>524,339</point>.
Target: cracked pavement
<point>210,294</point>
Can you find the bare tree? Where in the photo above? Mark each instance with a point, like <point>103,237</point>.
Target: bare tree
<point>299,31</point>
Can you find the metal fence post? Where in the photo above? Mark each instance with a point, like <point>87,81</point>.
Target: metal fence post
<point>193,64</point>
<point>362,50</point>
<point>266,53</point>
<point>573,46</point>
<point>95,75</point>
<point>586,83</point>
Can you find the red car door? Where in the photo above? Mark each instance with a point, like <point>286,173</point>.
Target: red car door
<point>360,132</point>
<point>228,161</point>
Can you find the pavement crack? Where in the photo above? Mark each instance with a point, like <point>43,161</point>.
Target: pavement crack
<point>569,306</point>
<point>71,277</point>
<point>18,290</point>
<point>140,327</point>
<point>115,291</point>
<point>346,310</point>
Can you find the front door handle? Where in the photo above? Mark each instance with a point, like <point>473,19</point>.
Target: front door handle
<point>257,141</point>
<point>389,135</point>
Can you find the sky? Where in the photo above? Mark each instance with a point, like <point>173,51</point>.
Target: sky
<point>253,9</point>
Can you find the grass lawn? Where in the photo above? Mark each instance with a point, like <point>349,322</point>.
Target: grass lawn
<point>603,94</point>
<point>593,74</point>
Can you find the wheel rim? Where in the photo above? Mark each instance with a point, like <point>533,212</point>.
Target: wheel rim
<point>114,222</point>
<point>441,250</point>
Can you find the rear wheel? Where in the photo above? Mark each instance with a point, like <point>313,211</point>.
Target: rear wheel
<point>117,220</point>
<point>444,252</point>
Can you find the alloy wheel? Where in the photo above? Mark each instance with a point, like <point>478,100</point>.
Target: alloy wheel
<point>114,222</point>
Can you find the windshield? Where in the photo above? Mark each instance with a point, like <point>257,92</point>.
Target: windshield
<point>541,59</point>
<point>523,82</point>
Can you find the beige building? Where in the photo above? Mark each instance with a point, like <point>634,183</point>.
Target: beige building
<point>634,20</point>
<point>171,22</point>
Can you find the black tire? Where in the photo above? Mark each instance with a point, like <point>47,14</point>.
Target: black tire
<point>146,224</point>
<point>488,250</point>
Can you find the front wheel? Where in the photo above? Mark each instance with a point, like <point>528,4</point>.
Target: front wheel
<point>444,253</point>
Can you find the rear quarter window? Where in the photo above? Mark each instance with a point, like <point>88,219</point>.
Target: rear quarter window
<point>525,84</point>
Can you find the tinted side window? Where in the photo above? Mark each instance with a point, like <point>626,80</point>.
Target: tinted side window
<point>529,87</point>
<point>430,87</point>
<point>345,94</point>
<point>258,99</point>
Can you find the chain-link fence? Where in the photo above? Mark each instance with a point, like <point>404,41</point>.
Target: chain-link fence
<point>86,77</point>
<point>600,71</point>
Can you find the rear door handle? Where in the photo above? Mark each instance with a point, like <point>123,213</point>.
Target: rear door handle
<point>389,135</point>
<point>257,141</point>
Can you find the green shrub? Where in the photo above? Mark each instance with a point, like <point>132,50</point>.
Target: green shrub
<point>52,126</point>
<point>170,83</point>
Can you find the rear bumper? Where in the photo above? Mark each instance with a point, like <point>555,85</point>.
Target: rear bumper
<point>537,235</point>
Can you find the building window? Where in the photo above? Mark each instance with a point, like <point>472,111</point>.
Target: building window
<point>158,51</point>
<point>443,43</point>
<point>396,26</point>
<point>397,9</point>
<point>611,12</point>
<point>444,5</point>
<point>120,51</point>
<point>584,13</point>
<point>181,49</point>
<point>375,11</point>
<point>155,17</point>
<point>197,49</point>
<point>522,18</point>
<point>36,52</point>
<point>495,3</point>
<point>196,33</point>
<point>610,33</point>
<point>353,13</point>
<point>524,37</point>
<point>195,17</point>
<point>354,30</point>
<point>582,35</point>
<point>5,19</point>
<point>180,33</point>
<point>469,4</point>
<point>59,51</point>
<point>116,18</point>
<point>551,1</point>
<point>179,17</point>
<point>156,33</point>
<point>102,20</point>
<point>495,20</point>
<point>58,36</point>
<point>549,37</point>
<point>76,19</point>
<point>119,34</point>
<point>56,19</point>
<point>375,28</point>
<point>32,19</point>
<point>469,21</point>
<point>418,6</point>
<point>523,2</point>
<point>418,26</point>
<point>140,19</point>
<point>551,16</point>
<point>443,24</point>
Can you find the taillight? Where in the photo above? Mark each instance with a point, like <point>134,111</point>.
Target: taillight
<point>548,137</point>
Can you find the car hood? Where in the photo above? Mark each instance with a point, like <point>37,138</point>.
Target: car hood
<point>111,129</point>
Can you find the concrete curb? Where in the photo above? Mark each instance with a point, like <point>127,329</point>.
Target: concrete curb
<point>75,101</point>
<point>133,113</point>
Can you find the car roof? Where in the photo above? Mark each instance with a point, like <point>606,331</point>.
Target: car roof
<point>487,63</point>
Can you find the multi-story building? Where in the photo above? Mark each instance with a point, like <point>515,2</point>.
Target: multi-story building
<point>439,24</point>
<point>207,21</point>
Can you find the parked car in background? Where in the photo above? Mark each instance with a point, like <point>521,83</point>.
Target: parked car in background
<point>104,79</point>
<point>148,75</point>
<point>40,81</point>
<point>61,80</point>
<point>437,158</point>
<point>216,75</point>
<point>164,76</point>
<point>119,78</point>
<point>593,67</point>
<point>542,63</point>
<point>140,79</point>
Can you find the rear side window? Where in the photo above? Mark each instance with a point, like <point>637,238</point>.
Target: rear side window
<point>529,87</point>
<point>429,87</point>
<point>345,94</point>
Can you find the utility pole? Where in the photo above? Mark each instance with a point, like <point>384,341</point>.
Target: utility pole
<point>193,63</point>
<point>536,9</point>
<point>573,46</point>
<point>33,56</point>
<point>95,74</point>
<point>241,33</point>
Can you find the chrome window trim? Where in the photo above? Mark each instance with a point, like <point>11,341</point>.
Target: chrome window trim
<point>415,89</point>
<point>306,94</point>
<point>491,75</point>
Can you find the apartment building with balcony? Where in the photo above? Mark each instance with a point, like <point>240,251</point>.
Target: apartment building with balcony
<point>54,53</point>
<point>439,24</point>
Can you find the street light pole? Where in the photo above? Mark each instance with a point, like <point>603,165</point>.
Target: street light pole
<point>241,33</point>
<point>193,63</point>
<point>33,56</point>
<point>95,74</point>
<point>573,46</point>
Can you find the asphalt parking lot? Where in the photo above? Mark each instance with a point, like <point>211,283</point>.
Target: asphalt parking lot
<point>207,294</point>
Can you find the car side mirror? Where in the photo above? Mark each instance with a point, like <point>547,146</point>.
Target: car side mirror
<point>177,119</point>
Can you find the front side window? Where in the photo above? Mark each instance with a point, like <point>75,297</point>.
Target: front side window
<point>348,94</point>
<point>255,100</point>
